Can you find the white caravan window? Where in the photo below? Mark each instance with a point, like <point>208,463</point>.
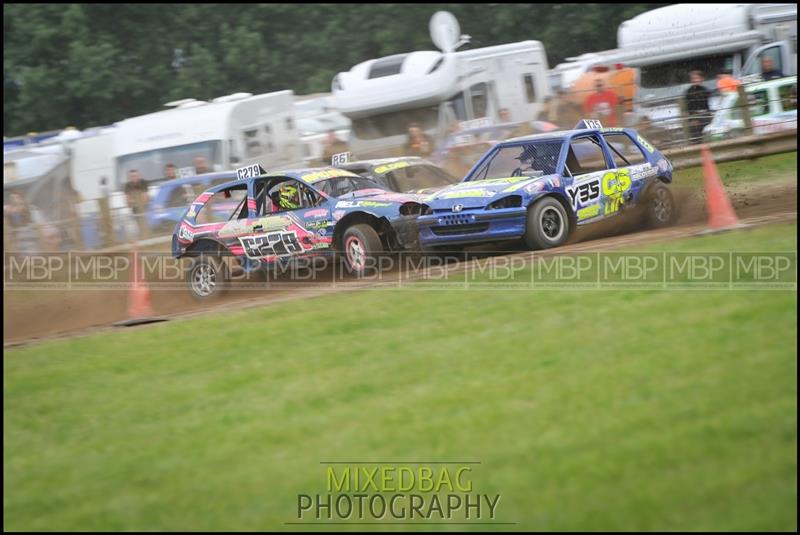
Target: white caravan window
<point>268,135</point>
<point>151,164</point>
<point>530,87</point>
<point>479,100</point>
<point>252,144</point>
<point>677,72</point>
<point>459,106</point>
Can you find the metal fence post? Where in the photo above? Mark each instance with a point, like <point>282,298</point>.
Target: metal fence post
<point>108,225</point>
<point>744,109</point>
<point>684,110</point>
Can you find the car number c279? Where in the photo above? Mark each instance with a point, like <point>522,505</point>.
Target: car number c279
<point>249,171</point>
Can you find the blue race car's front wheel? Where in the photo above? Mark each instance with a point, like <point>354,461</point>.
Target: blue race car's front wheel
<point>362,246</point>
<point>547,226</point>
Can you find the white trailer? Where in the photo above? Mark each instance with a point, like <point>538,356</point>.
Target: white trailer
<point>669,42</point>
<point>229,131</point>
<point>382,96</point>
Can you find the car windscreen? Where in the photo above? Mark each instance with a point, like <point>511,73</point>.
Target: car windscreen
<point>342,185</point>
<point>530,159</point>
<point>416,177</point>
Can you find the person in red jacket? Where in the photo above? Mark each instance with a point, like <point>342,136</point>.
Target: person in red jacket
<point>602,104</point>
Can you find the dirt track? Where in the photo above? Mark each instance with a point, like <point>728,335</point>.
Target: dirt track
<point>30,316</point>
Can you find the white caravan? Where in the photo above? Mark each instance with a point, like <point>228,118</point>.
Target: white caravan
<point>382,96</point>
<point>668,42</point>
<point>227,132</point>
<point>316,116</point>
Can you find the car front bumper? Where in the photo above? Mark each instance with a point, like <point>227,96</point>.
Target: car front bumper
<point>472,226</point>
<point>406,232</point>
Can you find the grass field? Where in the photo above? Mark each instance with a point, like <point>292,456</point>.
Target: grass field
<point>768,168</point>
<point>623,409</point>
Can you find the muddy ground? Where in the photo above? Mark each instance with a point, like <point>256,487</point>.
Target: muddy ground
<point>35,314</point>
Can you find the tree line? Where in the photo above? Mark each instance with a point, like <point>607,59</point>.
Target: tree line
<point>93,64</point>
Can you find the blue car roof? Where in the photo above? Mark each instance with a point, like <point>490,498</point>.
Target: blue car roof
<point>548,136</point>
<point>563,134</point>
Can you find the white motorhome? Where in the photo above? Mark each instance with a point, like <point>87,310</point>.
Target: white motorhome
<point>669,42</point>
<point>563,75</point>
<point>229,131</point>
<point>382,96</point>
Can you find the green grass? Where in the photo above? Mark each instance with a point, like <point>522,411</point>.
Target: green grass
<point>623,409</point>
<point>775,168</point>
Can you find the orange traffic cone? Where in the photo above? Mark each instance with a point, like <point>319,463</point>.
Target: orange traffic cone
<point>140,308</point>
<point>139,302</point>
<point>720,211</point>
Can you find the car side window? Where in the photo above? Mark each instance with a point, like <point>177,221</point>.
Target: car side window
<point>759,102</point>
<point>585,156</point>
<point>223,205</point>
<point>788,95</point>
<point>623,150</point>
<point>289,195</point>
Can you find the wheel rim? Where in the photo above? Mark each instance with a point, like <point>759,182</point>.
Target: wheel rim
<point>356,253</point>
<point>662,207</point>
<point>551,223</point>
<point>204,280</point>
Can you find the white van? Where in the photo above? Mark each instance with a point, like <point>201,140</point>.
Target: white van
<point>772,104</point>
<point>665,44</point>
<point>435,89</point>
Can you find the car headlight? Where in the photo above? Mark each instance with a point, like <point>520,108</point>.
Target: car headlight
<point>512,201</point>
<point>415,208</point>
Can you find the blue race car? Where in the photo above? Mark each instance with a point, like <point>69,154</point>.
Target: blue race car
<point>263,218</point>
<point>540,187</point>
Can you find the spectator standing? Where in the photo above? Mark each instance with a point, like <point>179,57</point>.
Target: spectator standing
<point>602,104</point>
<point>697,105</point>
<point>419,143</point>
<point>768,70</point>
<point>726,83</point>
<point>170,171</point>
<point>18,217</point>
<point>200,165</point>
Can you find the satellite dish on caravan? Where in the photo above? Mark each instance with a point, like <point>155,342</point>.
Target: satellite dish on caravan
<point>445,31</point>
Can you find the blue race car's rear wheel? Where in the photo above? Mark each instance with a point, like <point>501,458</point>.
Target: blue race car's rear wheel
<point>660,205</point>
<point>547,225</point>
